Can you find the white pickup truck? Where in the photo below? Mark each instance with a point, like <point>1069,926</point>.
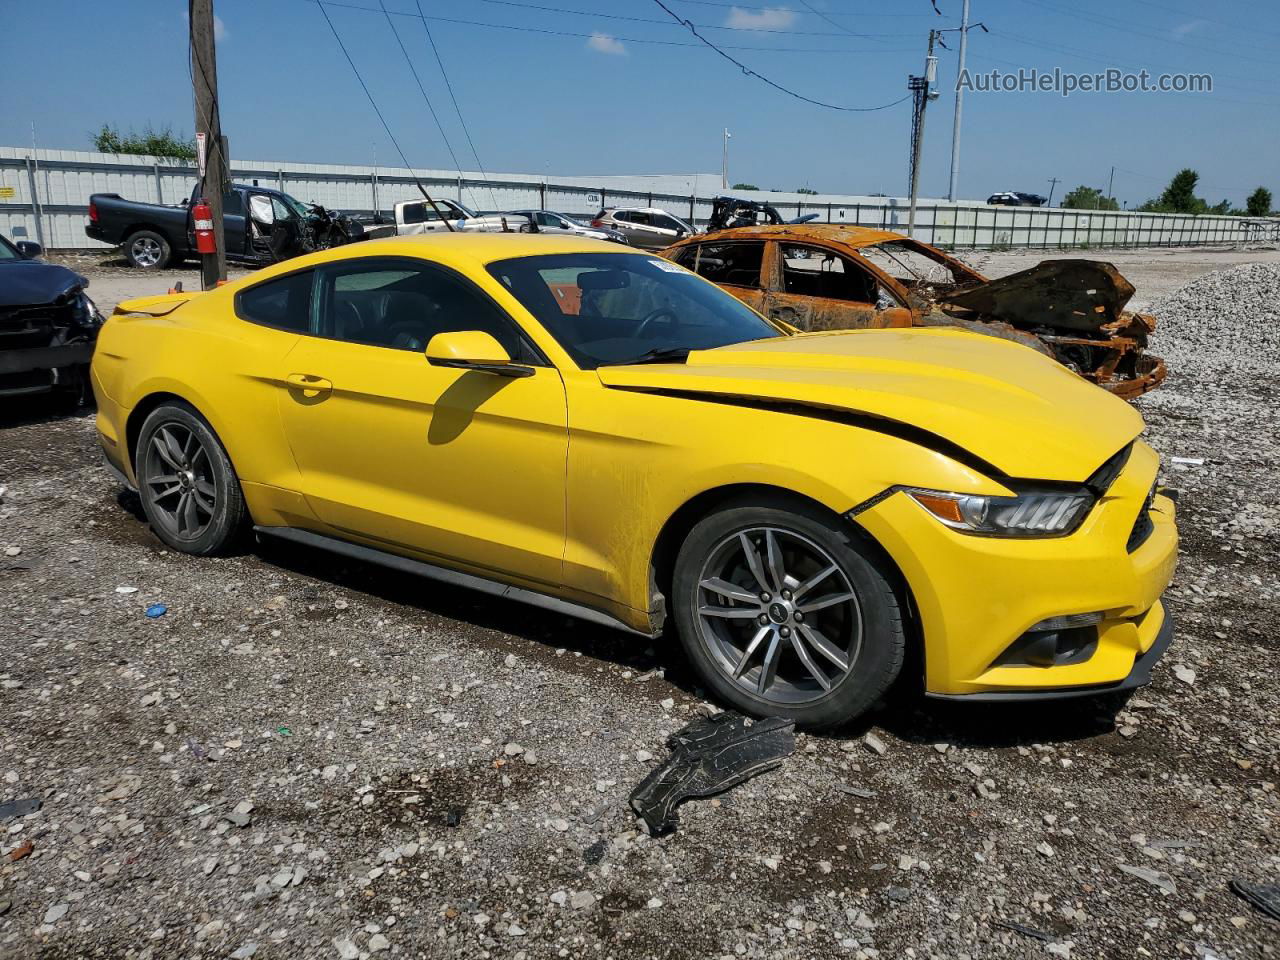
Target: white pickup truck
<point>417,216</point>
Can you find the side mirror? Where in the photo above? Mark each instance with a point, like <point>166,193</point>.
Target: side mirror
<point>29,249</point>
<point>473,350</point>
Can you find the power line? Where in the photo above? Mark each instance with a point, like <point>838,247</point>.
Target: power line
<point>747,6</point>
<point>458,110</point>
<point>700,26</point>
<point>423,90</point>
<point>373,103</point>
<point>777,86</point>
<point>587,36</point>
<point>1130,28</point>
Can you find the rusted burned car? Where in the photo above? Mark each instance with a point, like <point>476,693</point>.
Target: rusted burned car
<point>825,276</point>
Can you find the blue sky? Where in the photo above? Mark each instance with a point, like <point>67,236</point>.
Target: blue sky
<point>620,88</point>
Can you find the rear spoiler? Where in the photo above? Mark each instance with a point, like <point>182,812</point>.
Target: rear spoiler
<point>158,306</point>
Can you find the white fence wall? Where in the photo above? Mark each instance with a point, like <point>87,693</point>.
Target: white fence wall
<point>44,195</point>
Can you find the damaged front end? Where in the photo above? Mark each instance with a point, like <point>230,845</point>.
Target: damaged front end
<point>48,327</point>
<point>1076,309</point>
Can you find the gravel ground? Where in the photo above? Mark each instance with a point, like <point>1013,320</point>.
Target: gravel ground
<point>306,757</point>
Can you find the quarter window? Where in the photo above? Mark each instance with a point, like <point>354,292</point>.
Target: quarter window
<point>283,303</point>
<point>401,304</point>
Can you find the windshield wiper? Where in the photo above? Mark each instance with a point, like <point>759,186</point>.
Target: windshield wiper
<point>657,355</point>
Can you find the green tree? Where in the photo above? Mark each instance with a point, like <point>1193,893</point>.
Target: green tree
<point>1088,198</point>
<point>806,190</point>
<point>1180,195</point>
<point>745,186</point>
<point>1259,203</point>
<point>150,143</point>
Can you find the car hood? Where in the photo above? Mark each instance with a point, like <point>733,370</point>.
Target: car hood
<point>1020,412</point>
<point>32,282</point>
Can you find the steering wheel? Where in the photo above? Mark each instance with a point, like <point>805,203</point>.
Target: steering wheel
<point>652,317</point>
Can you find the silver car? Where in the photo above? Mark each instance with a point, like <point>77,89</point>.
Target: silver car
<point>646,227</point>
<point>548,221</point>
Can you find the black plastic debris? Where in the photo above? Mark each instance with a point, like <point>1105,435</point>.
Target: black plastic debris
<point>1023,929</point>
<point>709,756</point>
<point>1264,896</point>
<point>453,818</point>
<point>20,808</point>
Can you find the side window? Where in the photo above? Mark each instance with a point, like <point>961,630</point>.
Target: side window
<point>815,272</point>
<point>623,216</point>
<point>400,304</point>
<point>413,213</point>
<point>233,204</point>
<point>737,264</point>
<point>280,210</point>
<point>641,217</point>
<point>283,303</point>
<point>547,220</point>
<point>666,223</point>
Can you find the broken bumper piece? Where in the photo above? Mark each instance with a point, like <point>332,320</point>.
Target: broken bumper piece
<point>710,755</point>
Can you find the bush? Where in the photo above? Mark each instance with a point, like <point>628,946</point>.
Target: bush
<point>149,143</point>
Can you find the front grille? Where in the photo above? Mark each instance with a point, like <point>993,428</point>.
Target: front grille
<point>1142,526</point>
<point>31,326</point>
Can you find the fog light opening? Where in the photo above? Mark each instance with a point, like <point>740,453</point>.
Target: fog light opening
<point>1058,647</point>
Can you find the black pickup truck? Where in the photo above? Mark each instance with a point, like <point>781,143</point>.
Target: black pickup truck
<point>260,226</point>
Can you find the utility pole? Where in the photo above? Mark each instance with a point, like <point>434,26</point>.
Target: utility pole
<point>1111,182</point>
<point>1053,182</point>
<point>955,124</point>
<point>923,89</point>
<point>214,176</point>
<point>724,160</point>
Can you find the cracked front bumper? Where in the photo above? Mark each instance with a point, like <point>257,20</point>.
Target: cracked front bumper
<point>975,596</point>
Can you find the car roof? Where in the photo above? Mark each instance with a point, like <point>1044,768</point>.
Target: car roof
<point>817,232</point>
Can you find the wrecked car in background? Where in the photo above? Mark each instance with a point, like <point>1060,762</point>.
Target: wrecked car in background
<point>829,277</point>
<point>48,325</point>
<point>260,226</point>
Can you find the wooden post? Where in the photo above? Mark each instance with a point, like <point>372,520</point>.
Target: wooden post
<point>204,73</point>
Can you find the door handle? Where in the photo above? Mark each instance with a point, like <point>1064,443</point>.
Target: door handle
<point>309,384</point>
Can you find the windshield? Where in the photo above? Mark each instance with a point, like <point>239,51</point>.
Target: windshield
<point>609,308</point>
<point>298,209</point>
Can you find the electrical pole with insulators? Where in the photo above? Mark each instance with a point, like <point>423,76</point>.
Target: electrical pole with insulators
<point>211,145</point>
<point>923,89</point>
<point>1111,182</point>
<point>1053,183</point>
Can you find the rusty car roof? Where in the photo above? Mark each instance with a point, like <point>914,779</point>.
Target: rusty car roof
<point>829,232</point>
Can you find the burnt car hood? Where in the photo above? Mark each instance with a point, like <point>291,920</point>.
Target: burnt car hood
<point>1067,294</point>
<point>30,282</point>
<point>1017,410</point>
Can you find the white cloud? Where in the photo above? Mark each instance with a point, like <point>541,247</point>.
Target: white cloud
<point>604,43</point>
<point>1191,26</point>
<point>769,18</point>
<point>220,31</point>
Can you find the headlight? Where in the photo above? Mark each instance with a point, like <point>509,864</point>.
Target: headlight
<point>1032,513</point>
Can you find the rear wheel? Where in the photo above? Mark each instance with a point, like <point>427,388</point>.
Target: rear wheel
<point>189,489</point>
<point>147,250</point>
<point>786,614</point>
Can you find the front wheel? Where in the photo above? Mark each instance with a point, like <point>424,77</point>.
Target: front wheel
<point>786,614</point>
<point>189,489</point>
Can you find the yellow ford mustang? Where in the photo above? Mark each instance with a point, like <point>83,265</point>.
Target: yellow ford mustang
<point>601,432</point>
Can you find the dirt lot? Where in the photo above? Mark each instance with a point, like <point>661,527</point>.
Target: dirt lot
<point>305,757</point>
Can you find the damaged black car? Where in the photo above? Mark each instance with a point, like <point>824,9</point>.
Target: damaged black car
<point>48,325</point>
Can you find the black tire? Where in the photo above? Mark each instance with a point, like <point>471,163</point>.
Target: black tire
<point>147,250</point>
<point>189,489</point>
<point>867,631</point>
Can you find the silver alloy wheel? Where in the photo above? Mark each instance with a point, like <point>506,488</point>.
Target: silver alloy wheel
<point>178,481</point>
<point>778,615</point>
<point>145,252</point>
